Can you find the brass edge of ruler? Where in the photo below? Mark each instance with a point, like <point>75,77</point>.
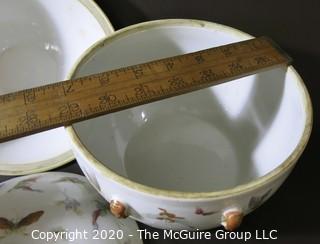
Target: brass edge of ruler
<point>279,49</point>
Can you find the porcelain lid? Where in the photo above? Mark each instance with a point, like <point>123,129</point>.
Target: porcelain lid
<point>52,207</point>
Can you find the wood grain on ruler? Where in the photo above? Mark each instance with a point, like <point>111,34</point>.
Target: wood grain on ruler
<point>63,103</point>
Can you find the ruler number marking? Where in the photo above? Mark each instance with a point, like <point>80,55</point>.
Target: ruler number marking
<point>45,107</point>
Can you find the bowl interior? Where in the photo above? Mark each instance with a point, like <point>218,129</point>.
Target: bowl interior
<point>209,140</point>
<point>39,43</point>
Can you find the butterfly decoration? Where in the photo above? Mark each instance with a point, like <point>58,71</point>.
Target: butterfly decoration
<point>70,180</point>
<point>256,202</point>
<point>10,226</point>
<point>173,218</point>
<point>200,211</point>
<point>165,215</point>
<point>26,185</point>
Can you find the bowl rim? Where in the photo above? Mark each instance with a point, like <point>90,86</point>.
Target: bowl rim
<point>280,170</point>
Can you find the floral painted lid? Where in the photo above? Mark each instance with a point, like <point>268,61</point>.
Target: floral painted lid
<point>58,208</point>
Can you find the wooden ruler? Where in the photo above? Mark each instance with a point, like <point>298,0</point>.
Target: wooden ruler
<point>33,110</point>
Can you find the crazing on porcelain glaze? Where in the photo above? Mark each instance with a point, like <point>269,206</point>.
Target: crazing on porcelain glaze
<point>197,160</point>
<point>57,203</point>
<point>39,43</point>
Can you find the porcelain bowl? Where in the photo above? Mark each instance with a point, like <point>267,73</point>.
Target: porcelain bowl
<point>198,160</point>
<point>40,40</point>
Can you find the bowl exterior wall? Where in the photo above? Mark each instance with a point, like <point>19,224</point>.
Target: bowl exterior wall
<point>175,213</point>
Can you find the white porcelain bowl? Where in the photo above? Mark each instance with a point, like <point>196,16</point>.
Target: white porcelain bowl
<point>198,160</point>
<point>40,40</point>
